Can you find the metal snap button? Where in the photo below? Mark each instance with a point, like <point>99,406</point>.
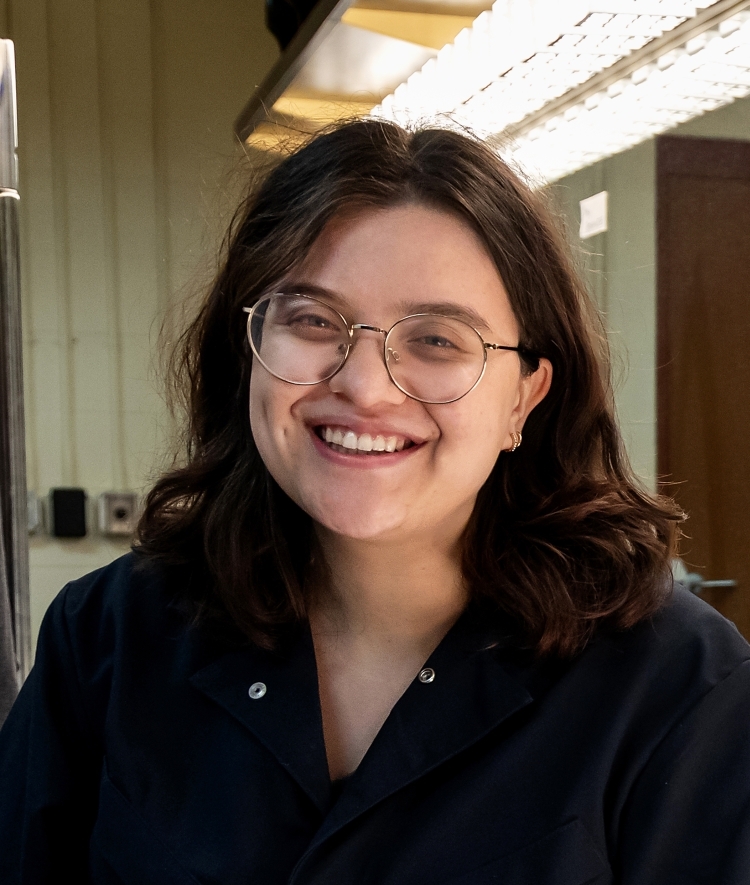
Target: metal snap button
<point>257,690</point>
<point>427,675</point>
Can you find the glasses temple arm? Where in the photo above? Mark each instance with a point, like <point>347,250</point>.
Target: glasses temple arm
<point>530,356</point>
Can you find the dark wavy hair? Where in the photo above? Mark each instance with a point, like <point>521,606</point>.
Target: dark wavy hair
<point>562,539</point>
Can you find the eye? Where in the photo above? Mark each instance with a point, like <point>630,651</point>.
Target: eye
<point>313,320</point>
<point>435,348</point>
<point>436,339</point>
<point>306,319</point>
<point>313,326</point>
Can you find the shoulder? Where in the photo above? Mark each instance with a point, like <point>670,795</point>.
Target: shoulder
<point>118,632</point>
<point>649,678</point>
<point>684,641</point>
<point>126,589</point>
<point>686,638</point>
<point>100,621</point>
<point>111,584</point>
<point>640,683</point>
<point>689,737</point>
<point>94,627</point>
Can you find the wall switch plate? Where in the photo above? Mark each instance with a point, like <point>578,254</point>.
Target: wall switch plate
<point>33,513</point>
<point>67,513</point>
<point>118,512</point>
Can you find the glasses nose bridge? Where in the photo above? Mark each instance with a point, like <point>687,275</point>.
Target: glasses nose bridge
<point>366,327</point>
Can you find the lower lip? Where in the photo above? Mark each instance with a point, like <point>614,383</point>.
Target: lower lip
<point>360,459</point>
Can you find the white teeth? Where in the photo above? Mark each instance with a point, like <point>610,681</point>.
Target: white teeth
<point>348,439</point>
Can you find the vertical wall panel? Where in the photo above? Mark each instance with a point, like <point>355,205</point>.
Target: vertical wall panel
<point>631,316</point>
<point>127,116</point>
<point>88,279</point>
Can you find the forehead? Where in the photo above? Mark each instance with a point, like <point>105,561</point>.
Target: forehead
<point>386,263</point>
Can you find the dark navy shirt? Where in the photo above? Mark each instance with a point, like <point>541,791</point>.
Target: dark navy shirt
<point>137,753</point>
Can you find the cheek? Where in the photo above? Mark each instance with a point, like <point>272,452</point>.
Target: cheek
<point>257,407</point>
<point>484,423</point>
<point>280,438</point>
<point>478,430</point>
<point>470,445</point>
<point>266,415</point>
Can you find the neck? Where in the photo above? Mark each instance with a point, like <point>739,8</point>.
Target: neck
<point>405,593</point>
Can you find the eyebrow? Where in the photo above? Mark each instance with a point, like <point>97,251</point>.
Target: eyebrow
<point>407,308</point>
<point>293,287</point>
<point>447,309</point>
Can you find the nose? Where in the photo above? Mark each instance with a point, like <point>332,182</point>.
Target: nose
<point>363,378</point>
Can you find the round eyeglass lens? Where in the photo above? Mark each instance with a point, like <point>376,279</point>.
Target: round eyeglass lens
<point>434,359</point>
<point>297,338</point>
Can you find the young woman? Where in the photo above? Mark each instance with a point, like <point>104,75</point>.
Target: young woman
<point>403,616</point>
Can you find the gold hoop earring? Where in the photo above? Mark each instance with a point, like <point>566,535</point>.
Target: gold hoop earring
<point>516,438</point>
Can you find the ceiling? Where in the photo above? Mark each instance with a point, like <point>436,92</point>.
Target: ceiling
<point>553,84</point>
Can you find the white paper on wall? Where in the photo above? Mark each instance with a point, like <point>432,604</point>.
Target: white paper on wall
<point>593,215</point>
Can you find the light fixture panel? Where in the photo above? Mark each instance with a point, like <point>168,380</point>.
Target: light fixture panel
<point>517,59</point>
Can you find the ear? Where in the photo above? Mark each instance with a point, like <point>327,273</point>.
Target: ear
<point>532,389</point>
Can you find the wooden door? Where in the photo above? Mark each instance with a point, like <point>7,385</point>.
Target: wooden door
<point>703,394</point>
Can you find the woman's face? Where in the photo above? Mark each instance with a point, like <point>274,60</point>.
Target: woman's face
<point>375,267</point>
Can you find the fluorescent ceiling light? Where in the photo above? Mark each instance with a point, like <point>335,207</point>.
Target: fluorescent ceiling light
<point>701,76</point>
<point>529,52</point>
<point>524,55</point>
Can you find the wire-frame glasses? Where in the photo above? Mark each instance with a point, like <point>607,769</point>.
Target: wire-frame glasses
<point>430,357</point>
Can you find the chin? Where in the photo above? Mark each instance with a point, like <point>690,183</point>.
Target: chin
<point>358,526</point>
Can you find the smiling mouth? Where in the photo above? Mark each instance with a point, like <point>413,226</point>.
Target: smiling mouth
<point>348,442</point>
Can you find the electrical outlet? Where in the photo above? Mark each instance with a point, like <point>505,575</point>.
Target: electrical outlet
<point>118,513</point>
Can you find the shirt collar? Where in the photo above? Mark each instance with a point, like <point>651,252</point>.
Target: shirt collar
<point>478,684</point>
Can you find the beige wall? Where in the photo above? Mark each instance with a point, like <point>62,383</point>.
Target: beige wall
<point>622,275</point>
<point>125,154</point>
